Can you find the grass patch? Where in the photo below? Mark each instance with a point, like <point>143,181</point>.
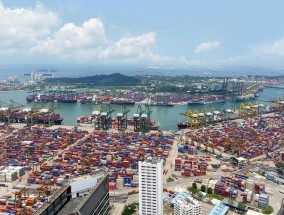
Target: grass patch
<point>215,196</point>
<point>193,190</point>
<point>130,209</point>
<point>169,179</point>
<point>268,210</point>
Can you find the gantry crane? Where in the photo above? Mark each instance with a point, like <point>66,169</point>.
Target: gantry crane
<point>122,118</point>
<point>188,114</point>
<point>44,190</point>
<point>242,110</point>
<point>47,114</point>
<point>105,118</point>
<point>8,111</point>
<point>208,116</point>
<point>195,120</point>
<point>279,105</point>
<point>102,117</point>
<point>146,120</point>
<point>142,119</point>
<point>226,113</point>
<point>96,115</point>
<point>216,114</point>
<point>30,114</point>
<point>18,197</point>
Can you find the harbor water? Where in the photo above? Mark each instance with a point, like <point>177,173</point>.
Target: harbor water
<point>167,117</point>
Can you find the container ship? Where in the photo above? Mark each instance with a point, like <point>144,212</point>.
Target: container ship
<point>43,116</point>
<point>66,99</point>
<point>165,104</point>
<point>246,97</point>
<point>182,125</point>
<point>122,102</point>
<point>40,98</point>
<point>50,98</point>
<point>88,101</point>
<point>88,120</point>
<point>207,100</point>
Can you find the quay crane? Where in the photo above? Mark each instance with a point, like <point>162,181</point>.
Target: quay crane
<point>31,114</point>
<point>208,116</point>
<point>195,121</point>
<point>8,111</point>
<point>279,105</point>
<point>188,114</point>
<point>242,110</point>
<point>227,113</point>
<point>18,197</point>
<point>106,120</point>
<point>122,118</point>
<point>142,119</point>
<point>44,190</point>
<point>216,114</point>
<point>47,114</point>
<point>102,117</point>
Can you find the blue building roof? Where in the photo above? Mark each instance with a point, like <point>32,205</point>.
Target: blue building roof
<point>219,209</point>
<point>179,196</point>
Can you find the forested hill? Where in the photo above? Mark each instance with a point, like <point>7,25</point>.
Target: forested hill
<point>115,79</point>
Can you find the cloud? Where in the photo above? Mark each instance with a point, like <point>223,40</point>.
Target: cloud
<point>193,62</point>
<point>35,34</point>
<point>260,54</point>
<point>20,28</point>
<point>207,46</point>
<point>134,48</point>
<point>75,41</point>
<point>275,48</point>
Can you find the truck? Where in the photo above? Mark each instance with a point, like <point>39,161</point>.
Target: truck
<point>270,176</point>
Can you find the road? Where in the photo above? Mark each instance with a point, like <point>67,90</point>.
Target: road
<point>170,160</point>
<point>281,210</point>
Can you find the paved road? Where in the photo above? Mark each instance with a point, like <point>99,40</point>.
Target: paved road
<point>170,160</point>
<point>281,210</point>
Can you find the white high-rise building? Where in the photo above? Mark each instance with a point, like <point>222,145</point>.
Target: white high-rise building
<point>151,186</point>
<point>187,206</point>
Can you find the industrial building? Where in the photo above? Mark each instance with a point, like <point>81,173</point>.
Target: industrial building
<point>187,206</point>
<point>86,195</point>
<point>151,186</point>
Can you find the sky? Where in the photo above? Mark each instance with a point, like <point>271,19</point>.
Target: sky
<point>183,33</point>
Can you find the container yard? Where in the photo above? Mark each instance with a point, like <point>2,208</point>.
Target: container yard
<point>248,138</point>
<point>239,187</point>
<point>192,165</point>
<point>43,159</point>
<point>56,154</point>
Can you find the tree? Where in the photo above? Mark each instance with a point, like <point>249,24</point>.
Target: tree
<point>267,210</point>
<point>230,202</point>
<point>203,188</point>
<point>194,186</point>
<point>241,205</point>
<point>209,190</point>
<point>279,165</point>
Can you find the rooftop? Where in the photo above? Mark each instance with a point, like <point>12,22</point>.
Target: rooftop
<point>234,204</point>
<point>152,160</point>
<point>179,196</point>
<point>219,209</point>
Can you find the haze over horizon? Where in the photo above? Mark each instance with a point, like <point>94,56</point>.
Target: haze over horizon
<point>156,34</point>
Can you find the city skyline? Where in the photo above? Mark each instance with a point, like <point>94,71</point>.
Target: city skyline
<point>186,34</point>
